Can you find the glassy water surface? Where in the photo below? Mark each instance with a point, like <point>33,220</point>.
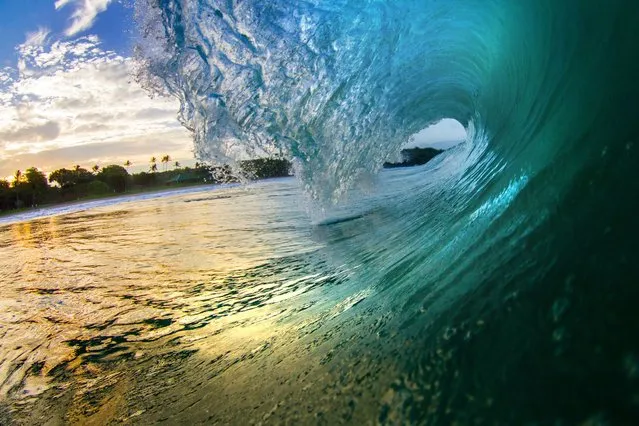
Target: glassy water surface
<point>101,309</point>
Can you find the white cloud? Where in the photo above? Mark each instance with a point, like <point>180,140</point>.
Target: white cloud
<point>72,97</point>
<point>59,53</point>
<point>444,134</point>
<point>84,15</point>
<point>37,38</point>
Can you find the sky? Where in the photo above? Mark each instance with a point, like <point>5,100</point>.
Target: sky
<point>443,135</point>
<point>66,91</point>
<point>67,96</point>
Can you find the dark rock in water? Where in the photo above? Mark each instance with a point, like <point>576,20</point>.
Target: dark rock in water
<point>415,157</point>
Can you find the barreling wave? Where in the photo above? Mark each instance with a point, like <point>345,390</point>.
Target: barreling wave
<point>534,213</point>
<point>341,85</point>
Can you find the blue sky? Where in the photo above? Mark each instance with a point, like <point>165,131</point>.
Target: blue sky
<point>20,17</point>
<point>66,92</point>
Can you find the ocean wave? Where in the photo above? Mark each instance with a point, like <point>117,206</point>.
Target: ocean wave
<point>536,206</point>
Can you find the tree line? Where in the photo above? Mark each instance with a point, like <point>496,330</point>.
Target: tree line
<point>32,187</point>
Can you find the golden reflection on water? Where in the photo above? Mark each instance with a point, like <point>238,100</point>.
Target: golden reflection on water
<point>22,234</point>
<point>89,296</point>
<point>33,233</point>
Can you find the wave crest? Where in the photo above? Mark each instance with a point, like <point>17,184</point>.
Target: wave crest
<point>340,85</point>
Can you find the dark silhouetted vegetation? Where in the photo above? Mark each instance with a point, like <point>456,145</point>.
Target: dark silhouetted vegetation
<point>415,157</point>
<point>32,188</point>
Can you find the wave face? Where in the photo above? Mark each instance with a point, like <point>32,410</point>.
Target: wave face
<point>529,227</point>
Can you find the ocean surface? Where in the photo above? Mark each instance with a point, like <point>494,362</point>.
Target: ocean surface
<point>498,284</point>
<point>249,304</point>
<point>217,304</point>
<point>139,308</point>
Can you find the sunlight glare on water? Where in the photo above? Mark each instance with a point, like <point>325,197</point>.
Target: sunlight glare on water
<point>84,293</point>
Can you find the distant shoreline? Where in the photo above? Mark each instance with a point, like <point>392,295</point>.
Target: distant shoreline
<point>154,190</point>
<point>414,157</point>
<point>34,189</point>
<point>6,215</point>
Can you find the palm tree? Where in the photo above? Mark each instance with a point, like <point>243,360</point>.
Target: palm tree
<point>177,164</point>
<point>166,160</point>
<point>18,178</point>
<point>95,168</point>
<point>127,164</point>
<point>154,166</point>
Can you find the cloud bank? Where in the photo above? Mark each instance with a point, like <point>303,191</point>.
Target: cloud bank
<point>74,97</point>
